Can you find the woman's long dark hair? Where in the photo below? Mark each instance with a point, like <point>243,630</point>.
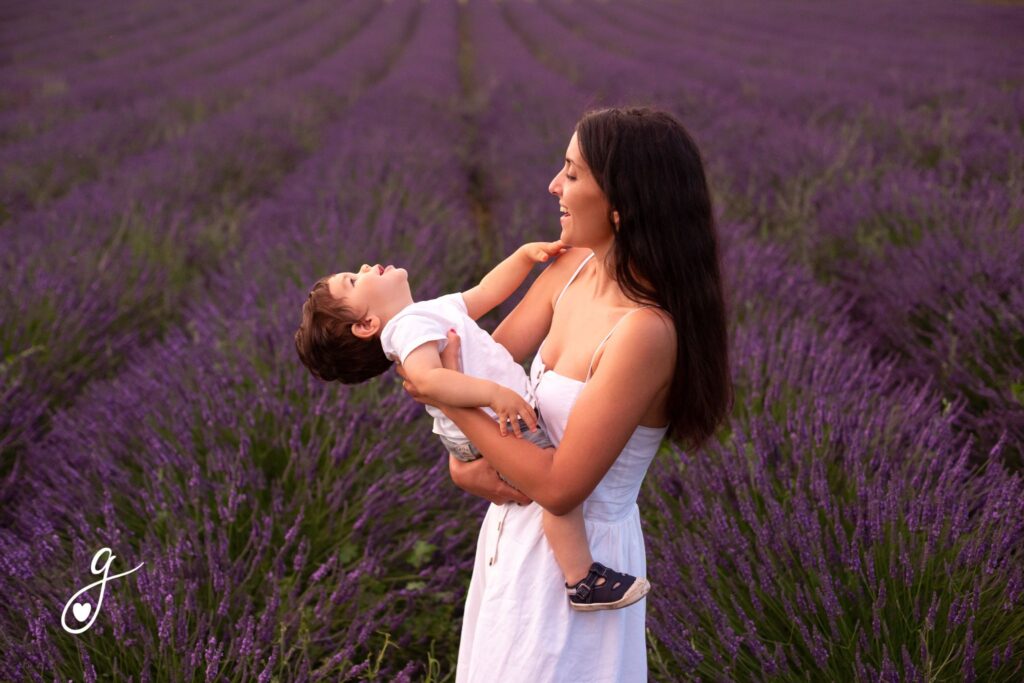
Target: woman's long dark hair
<point>652,173</point>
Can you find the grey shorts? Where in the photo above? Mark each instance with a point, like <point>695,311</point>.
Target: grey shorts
<point>465,451</point>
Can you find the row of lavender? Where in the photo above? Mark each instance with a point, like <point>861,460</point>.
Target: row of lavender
<point>829,459</point>
<point>109,264</point>
<point>842,493</point>
<point>290,529</point>
<point>59,142</point>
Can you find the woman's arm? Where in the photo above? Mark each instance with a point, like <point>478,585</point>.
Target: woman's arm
<point>476,477</point>
<point>523,329</point>
<point>480,479</point>
<point>423,368</point>
<point>637,363</point>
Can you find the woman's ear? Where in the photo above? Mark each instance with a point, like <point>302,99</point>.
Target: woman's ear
<point>367,328</point>
<point>615,220</point>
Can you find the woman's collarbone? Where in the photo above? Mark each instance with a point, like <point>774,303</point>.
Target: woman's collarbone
<point>583,328</point>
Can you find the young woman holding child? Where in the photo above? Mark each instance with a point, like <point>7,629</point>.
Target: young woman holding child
<point>628,332</point>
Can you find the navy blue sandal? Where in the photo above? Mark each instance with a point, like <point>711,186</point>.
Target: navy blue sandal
<point>618,590</point>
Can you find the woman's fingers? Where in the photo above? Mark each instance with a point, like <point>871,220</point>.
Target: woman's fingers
<point>480,479</point>
<point>510,494</point>
<point>450,355</point>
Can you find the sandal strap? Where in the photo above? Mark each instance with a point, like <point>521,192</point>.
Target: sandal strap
<point>585,588</point>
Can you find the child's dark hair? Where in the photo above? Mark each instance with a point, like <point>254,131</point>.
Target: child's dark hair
<point>326,344</point>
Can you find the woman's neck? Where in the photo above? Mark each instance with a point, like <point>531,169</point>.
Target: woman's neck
<point>602,277</point>
<point>602,273</point>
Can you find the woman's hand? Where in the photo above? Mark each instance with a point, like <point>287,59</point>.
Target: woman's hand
<point>480,479</point>
<point>450,357</point>
<point>449,360</point>
<point>410,388</point>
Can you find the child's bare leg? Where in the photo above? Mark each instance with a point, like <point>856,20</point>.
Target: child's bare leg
<point>567,535</point>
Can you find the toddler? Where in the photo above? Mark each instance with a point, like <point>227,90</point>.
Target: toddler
<point>355,325</point>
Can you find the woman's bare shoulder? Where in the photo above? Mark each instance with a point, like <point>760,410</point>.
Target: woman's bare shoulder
<point>648,332</point>
<point>568,261</point>
<point>562,269</point>
<point>656,320</point>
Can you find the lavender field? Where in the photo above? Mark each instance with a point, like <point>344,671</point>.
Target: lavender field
<point>174,177</point>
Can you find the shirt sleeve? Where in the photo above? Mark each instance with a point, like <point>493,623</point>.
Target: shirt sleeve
<point>413,332</point>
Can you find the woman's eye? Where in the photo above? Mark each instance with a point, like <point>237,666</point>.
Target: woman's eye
<point>570,177</point>
<point>353,281</point>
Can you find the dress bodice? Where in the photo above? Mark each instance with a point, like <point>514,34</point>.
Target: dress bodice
<point>617,492</point>
<point>556,394</point>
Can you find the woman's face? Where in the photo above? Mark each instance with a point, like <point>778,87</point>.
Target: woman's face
<point>585,207</point>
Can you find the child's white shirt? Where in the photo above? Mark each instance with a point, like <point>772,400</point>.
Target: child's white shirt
<point>427,321</point>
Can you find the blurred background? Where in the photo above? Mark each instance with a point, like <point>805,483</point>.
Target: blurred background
<point>175,176</point>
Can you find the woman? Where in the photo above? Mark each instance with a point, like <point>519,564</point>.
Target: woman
<point>633,325</point>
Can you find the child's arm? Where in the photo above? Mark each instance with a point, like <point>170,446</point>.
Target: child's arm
<point>423,368</point>
<point>500,283</point>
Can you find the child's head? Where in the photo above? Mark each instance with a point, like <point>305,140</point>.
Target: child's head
<point>339,336</point>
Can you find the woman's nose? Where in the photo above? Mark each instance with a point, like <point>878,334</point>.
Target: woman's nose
<point>364,268</point>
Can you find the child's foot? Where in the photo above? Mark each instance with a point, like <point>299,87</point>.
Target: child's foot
<point>605,588</point>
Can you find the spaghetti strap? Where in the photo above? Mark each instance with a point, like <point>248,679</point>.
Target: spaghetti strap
<point>606,339</point>
<point>578,269</point>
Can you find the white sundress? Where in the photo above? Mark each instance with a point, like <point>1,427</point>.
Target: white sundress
<point>517,624</point>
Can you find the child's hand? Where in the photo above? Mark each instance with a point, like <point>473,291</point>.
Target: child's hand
<point>542,252</point>
<point>507,405</point>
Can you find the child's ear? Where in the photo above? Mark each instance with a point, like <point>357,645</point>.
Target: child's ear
<point>367,328</point>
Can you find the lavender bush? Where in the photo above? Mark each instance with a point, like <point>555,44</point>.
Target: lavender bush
<point>176,177</point>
